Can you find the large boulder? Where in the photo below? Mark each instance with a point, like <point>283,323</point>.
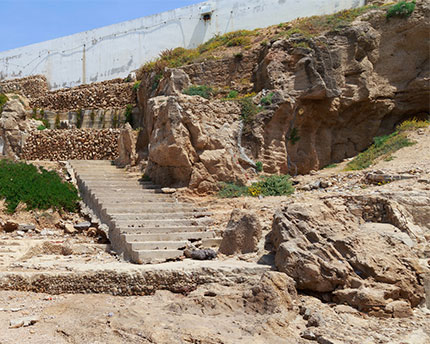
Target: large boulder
<point>242,235</point>
<point>358,249</point>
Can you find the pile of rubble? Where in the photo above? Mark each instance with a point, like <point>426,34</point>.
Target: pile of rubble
<point>75,144</point>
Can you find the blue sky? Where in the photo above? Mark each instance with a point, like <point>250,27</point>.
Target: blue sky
<point>25,22</point>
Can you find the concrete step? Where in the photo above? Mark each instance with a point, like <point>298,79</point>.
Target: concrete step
<point>148,208</point>
<point>149,237</point>
<point>158,245</point>
<point>145,225</point>
<point>161,223</point>
<point>163,230</point>
<point>160,216</point>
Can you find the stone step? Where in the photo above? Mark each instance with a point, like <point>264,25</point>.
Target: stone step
<point>145,225</point>
<point>168,236</point>
<point>158,245</point>
<point>163,230</point>
<point>161,216</point>
<point>161,223</point>
<point>120,185</point>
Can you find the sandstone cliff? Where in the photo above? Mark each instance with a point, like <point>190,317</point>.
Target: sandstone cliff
<point>331,94</point>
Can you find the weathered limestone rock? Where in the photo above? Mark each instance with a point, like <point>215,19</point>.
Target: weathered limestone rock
<point>127,147</point>
<point>14,128</point>
<point>274,292</point>
<point>242,234</point>
<point>359,248</point>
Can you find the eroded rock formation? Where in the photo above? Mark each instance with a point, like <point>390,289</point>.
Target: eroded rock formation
<point>334,93</point>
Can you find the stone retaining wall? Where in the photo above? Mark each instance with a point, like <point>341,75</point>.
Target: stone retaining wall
<point>30,87</point>
<point>75,144</point>
<point>115,94</point>
<point>112,94</point>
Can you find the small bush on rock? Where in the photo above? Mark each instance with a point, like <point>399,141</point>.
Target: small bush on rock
<point>402,9</point>
<point>202,91</point>
<point>3,100</point>
<point>37,188</point>
<point>267,186</point>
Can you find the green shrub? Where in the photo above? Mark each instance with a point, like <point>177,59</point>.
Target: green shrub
<point>402,9</point>
<point>46,123</point>
<point>115,121</point>
<point>272,186</point>
<point>248,109</point>
<point>267,186</point>
<point>3,100</point>
<point>267,100</point>
<point>92,117</point>
<point>156,81</point>
<point>136,86</point>
<point>232,94</point>
<point>41,127</point>
<point>202,91</point>
<point>79,118</point>
<point>37,188</point>
<point>231,190</point>
<point>294,136</point>
<point>259,166</point>
<point>383,145</point>
<point>129,114</point>
<point>57,121</point>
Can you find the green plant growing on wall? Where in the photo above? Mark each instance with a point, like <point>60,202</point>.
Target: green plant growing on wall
<point>79,118</point>
<point>92,118</point>
<point>259,166</point>
<point>57,121</point>
<point>248,109</point>
<point>136,86</point>
<point>267,100</point>
<point>3,100</point>
<point>402,9</point>
<point>129,114</point>
<point>232,94</point>
<point>115,121</point>
<point>294,136</point>
<point>156,82</point>
<point>202,91</point>
<point>34,114</point>
<point>41,127</point>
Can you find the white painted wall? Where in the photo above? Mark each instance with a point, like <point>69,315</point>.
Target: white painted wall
<point>116,50</point>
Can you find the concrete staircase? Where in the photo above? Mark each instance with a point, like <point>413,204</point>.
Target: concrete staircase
<point>145,225</point>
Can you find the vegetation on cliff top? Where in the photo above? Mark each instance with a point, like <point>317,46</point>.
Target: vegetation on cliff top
<point>37,188</point>
<point>217,46</point>
<point>384,146</point>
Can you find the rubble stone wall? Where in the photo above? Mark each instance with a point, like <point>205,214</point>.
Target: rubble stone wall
<point>74,144</point>
<point>30,87</point>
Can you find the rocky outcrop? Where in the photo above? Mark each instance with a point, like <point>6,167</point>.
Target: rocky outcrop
<point>15,128</point>
<point>357,249</point>
<point>74,144</point>
<point>242,235</point>
<point>331,95</point>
